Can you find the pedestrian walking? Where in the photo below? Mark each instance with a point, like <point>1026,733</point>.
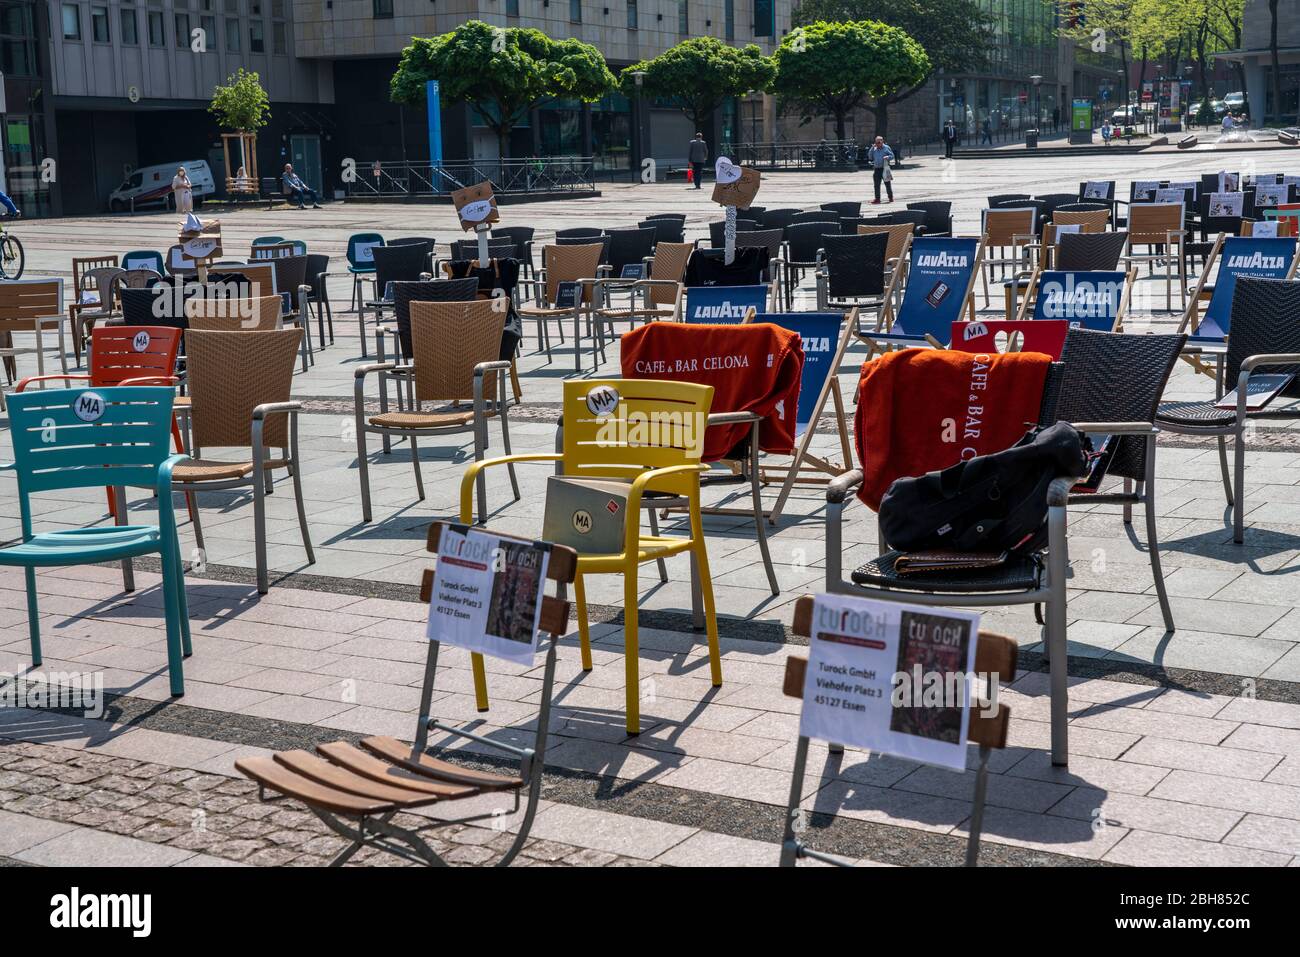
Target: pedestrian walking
<point>987,134</point>
<point>1106,132</point>
<point>697,151</point>
<point>183,191</point>
<point>949,139</point>
<point>881,156</point>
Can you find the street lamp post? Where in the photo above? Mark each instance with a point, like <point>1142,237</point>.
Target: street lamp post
<point>1038,100</point>
<point>637,141</point>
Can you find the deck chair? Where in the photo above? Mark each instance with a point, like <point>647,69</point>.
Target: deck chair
<point>1094,300</point>
<point>1029,580</point>
<point>361,265</point>
<point>669,463</point>
<point>1159,227</point>
<point>995,657</point>
<point>940,288</point>
<point>239,386</point>
<point>563,264</point>
<point>455,348</point>
<point>81,438</point>
<point>1264,336</point>
<point>358,792</point>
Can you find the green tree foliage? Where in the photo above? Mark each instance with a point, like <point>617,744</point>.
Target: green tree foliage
<point>500,74</point>
<point>699,74</point>
<point>241,104</point>
<point>831,69</point>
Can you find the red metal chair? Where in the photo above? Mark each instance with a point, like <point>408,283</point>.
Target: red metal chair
<point>128,355</point>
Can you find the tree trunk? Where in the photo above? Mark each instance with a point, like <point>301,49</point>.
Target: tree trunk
<point>839,125</point>
<point>881,112</point>
<point>1277,70</point>
<point>503,143</point>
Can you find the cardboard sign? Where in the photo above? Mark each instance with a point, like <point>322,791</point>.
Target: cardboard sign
<point>475,205</point>
<point>487,593</point>
<point>724,305</point>
<point>738,192</point>
<point>199,240</point>
<point>1255,256</point>
<point>1090,300</point>
<point>891,678</point>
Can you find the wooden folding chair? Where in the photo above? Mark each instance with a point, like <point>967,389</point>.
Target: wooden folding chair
<point>358,792</point>
<point>995,656</point>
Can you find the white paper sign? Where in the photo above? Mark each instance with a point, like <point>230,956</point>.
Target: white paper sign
<point>1229,182</point>
<point>726,171</point>
<point>1265,230</point>
<point>1067,228</point>
<point>1144,189</point>
<point>1171,195</point>
<point>1270,195</point>
<point>476,211</point>
<point>1191,186</point>
<point>1226,204</point>
<point>891,677</point>
<point>1095,189</point>
<point>487,594</point>
<point>365,252</point>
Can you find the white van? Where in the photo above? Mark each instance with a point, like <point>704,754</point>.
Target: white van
<point>151,185</point>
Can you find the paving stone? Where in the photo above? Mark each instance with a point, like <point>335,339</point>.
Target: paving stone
<point>1148,849</point>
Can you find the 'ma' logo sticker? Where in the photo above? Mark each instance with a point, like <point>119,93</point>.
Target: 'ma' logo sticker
<point>89,407</point>
<point>141,341</point>
<point>582,522</point>
<point>602,401</point>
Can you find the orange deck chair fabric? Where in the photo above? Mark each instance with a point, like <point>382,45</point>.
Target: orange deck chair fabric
<point>753,367</point>
<point>921,410</point>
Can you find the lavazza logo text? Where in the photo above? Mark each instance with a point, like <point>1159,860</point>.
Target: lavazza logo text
<point>1256,260</point>
<point>949,260</point>
<point>76,910</point>
<point>724,310</point>
<point>1073,300</point>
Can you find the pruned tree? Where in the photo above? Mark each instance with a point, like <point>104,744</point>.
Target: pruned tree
<point>698,75</point>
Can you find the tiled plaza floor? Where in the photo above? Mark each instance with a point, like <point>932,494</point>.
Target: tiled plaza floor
<point>1185,747</point>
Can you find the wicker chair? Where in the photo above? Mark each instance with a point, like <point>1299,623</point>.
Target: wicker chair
<point>239,389</point>
<point>456,347</point>
<point>1035,579</point>
<point>522,237</point>
<point>499,247</point>
<point>1004,229</point>
<point>1116,381</point>
<point>563,264</point>
<point>630,247</point>
<point>660,293</point>
<point>852,271</point>
<point>1159,227</point>
<point>938,216</point>
<point>666,230</point>
<point>1266,336</point>
<point>221,314</point>
<point>718,230</point>
<point>777,218</point>
<point>842,209</point>
<point>804,242</point>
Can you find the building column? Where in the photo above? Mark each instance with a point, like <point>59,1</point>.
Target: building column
<point>45,71</point>
<point>586,129</point>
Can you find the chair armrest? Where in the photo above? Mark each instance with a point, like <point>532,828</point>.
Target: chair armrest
<point>632,520</point>
<point>152,380</point>
<point>260,412</point>
<point>1269,359</point>
<point>165,470</point>
<point>1058,493</point>
<point>732,418</point>
<point>362,371</point>
<point>842,486</point>
<point>1117,428</point>
<point>483,368</point>
<point>471,473</point>
<point>23,383</point>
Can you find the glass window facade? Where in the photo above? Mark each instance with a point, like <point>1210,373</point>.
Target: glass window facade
<point>128,23</point>
<point>99,24</point>
<point>182,29</point>
<point>17,40</point>
<point>71,14</point>
<point>157,32</point>
<point>764,18</point>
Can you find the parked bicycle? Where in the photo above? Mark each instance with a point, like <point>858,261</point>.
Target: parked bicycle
<point>12,258</point>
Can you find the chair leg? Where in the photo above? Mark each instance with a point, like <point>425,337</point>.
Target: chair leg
<point>1054,639</point>
<point>1223,468</point>
<point>1153,551</point>
<point>480,482</point>
<point>1128,506</point>
<point>415,465</point>
<point>701,556</point>
<point>1239,487</point>
<point>480,681</point>
<point>631,650</point>
<point>759,522</point>
<point>505,440</point>
<point>697,600</point>
<point>128,570</point>
<point>172,610</point>
<point>259,534</point>
<point>584,630</point>
<point>33,616</point>
<point>302,510</point>
<point>654,530</point>
<point>363,470</point>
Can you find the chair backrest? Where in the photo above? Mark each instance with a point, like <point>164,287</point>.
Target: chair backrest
<point>255,280</point>
<point>23,301</point>
<point>98,285</point>
<point>855,265</point>
<point>997,335</point>
<point>1088,221</point>
<point>1082,207</point>
<point>938,216</point>
<point>941,272</point>
<point>268,240</point>
<point>1094,300</point>
<point>152,306</point>
<point>898,233</point>
<point>272,250</point>
<point>317,265</point>
<point>521,236</point>
<point>680,217</point>
<point>579,232</point>
<point>568,264</point>
<point>290,273</point>
<point>449,339</point>
<point>82,266</point>
<point>769,239</point>
<point>1078,251</point>
<point>777,218</point>
<point>467,249</point>
<point>1150,223</point>
<point>630,246</point>
<point>82,438</point>
<point>806,238</point>
<point>427,290</point>
<point>913,217</point>
<point>1000,198</point>
<point>814,216</point>
<point>361,248</point>
<point>718,230</point>
<point>143,259</point>
<point>119,353</point>
<point>845,208</point>
<point>669,263</point>
<point>176,263</point>
<point>1264,315</point>
<point>141,278</point>
<point>603,240</point>
<point>1052,201</point>
<point>428,242</point>
<point>723,305</point>
<point>1111,377</point>
<point>1001,226</point>
<point>231,373</point>
<point>670,419</point>
<point>1239,258</point>
<point>1092,189</point>
<point>666,230</point>
<point>225,314</point>
<point>399,264</point>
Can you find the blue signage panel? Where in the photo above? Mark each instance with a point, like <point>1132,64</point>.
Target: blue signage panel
<point>433,99</point>
<point>1243,256</point>
<point>1087,299</point>
<point>820,332</point>
<point>723,304</point>
<point>936,286</point>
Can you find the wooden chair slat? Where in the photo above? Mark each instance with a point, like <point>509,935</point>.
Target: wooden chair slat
<point>400,754</point>
<point>367,765</point>
<point>265,771</point>
<point>337,776</point>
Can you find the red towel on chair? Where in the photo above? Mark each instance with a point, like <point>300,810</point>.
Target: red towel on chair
<point>754,367</point>
<point>921,410</point>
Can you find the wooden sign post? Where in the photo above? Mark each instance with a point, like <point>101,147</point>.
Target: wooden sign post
<point>734,187</point>
<point>477,209</point>
<point>201,245</point>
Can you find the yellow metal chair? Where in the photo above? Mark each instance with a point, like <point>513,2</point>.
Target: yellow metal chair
<point>653,439</point>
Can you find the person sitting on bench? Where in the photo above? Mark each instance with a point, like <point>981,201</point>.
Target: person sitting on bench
<point>301,191</point>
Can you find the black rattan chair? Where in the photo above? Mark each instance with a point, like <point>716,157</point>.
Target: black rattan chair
<point>579,232</point>
<point>938,216</point>
<point>630,247</point>
<point>804,242</point>
<point>777,218</point>
<point>1089,251</point>
<point>318,267</point>
<point>666,230</point>
<point>1264,335</point>
<point>851,271</point>
<point>717,231</point>
<point>842,209</point>
<point>523,240</point>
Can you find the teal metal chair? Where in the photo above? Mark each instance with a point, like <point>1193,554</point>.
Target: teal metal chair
<point>361,263</point>
<point>88,438</point>
<point>144,259</point>
<point>268,240</point>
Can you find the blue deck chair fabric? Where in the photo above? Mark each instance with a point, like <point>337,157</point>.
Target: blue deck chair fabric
<point>89,438</point>
<point>1089,300</point>
<point>820,332</point>
<point>1242,256</point>
<point>144,259</point>
<point>937,280</point>
<point>723,304</point>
